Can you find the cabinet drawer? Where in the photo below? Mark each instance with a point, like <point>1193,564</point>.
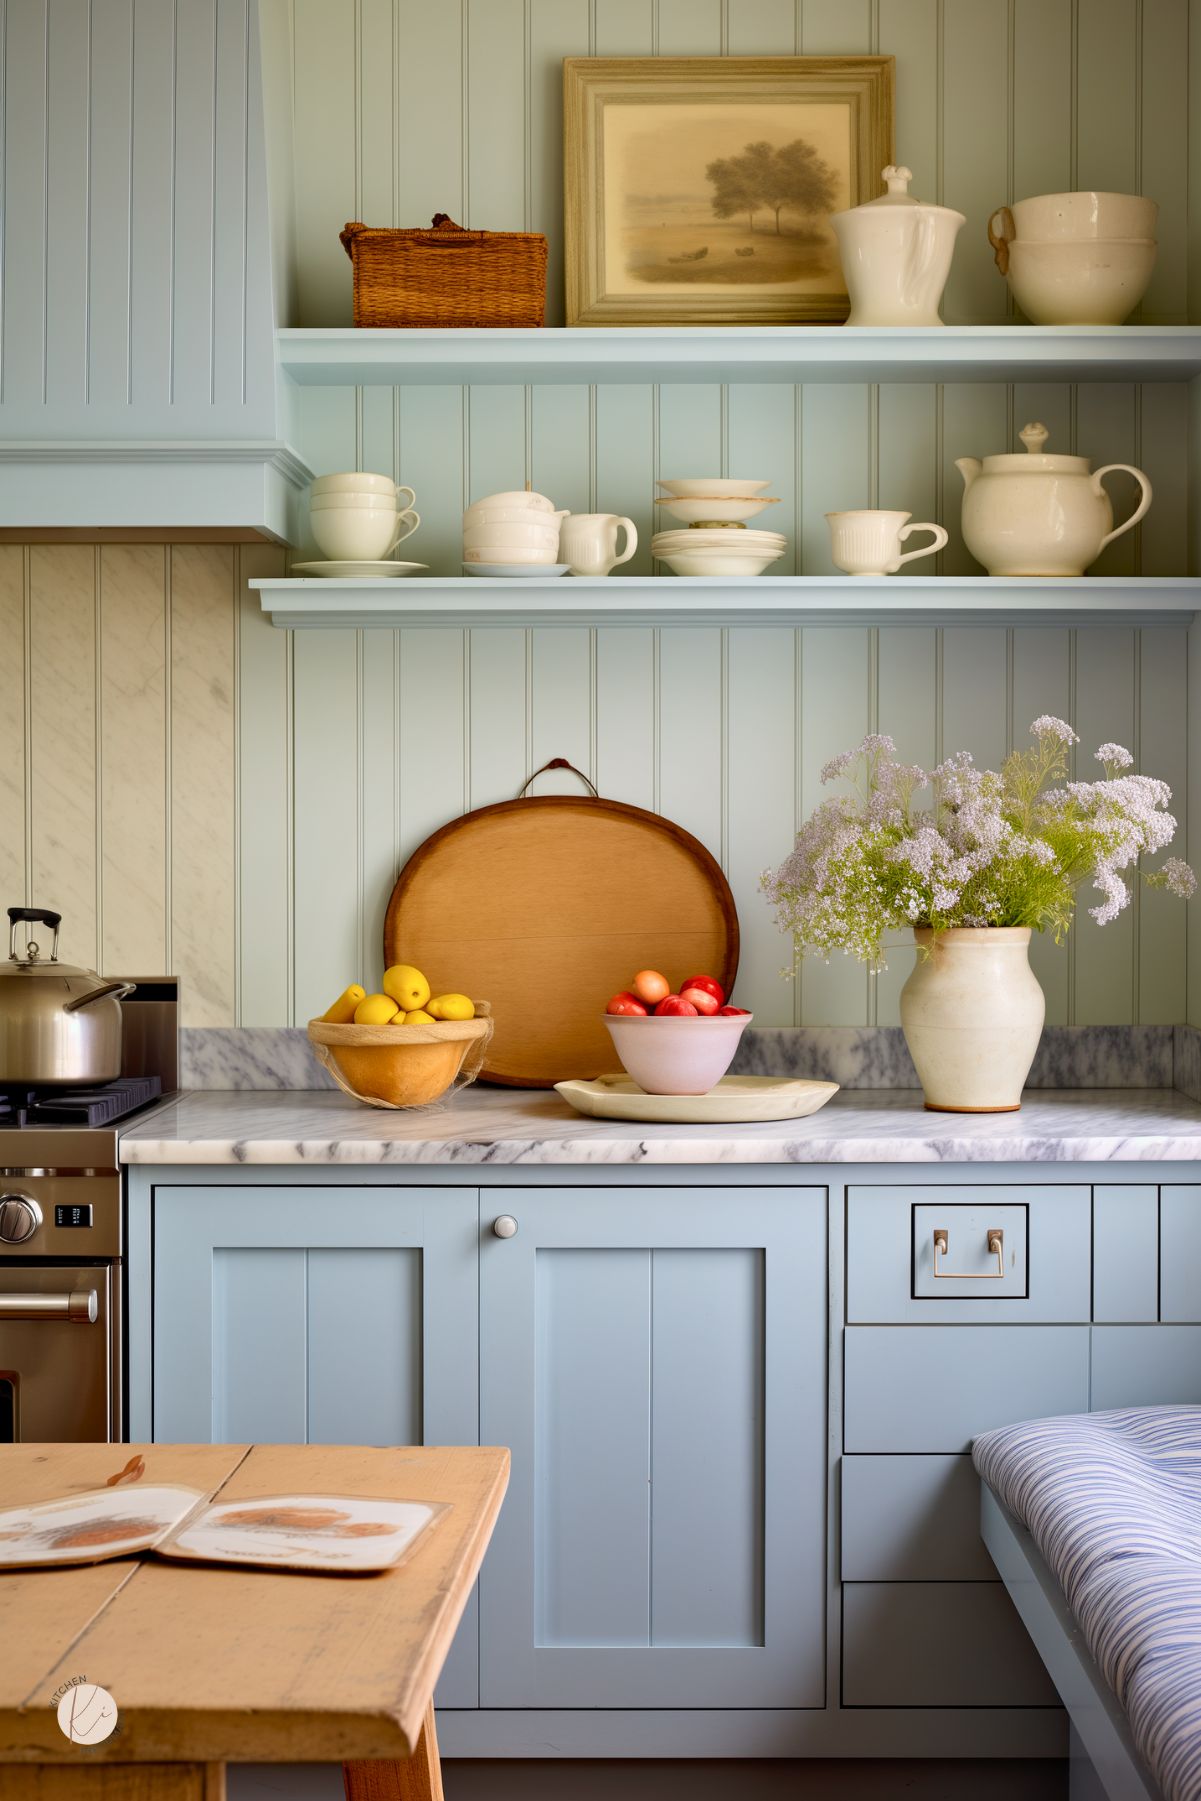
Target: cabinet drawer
<point>1126,1252</point>
<point>938,1644</point>
<point>933,1388</point>
<point>1044,1273</point>
<point>912,1519</point>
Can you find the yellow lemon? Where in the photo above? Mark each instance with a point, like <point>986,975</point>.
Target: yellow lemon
<point>418,1017</point>
<point>375,1010</point>
<point>342,1011</point>
<point>452,1006</point>
<point>407,986</point>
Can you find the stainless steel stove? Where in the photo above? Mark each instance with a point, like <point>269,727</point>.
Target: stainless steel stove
<point>62,1235</point>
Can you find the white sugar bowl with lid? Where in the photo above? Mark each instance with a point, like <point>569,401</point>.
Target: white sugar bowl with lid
<point>896,255</point>
<point>1031,513</point>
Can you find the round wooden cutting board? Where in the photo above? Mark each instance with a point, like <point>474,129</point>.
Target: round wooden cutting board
<point>546,907</point>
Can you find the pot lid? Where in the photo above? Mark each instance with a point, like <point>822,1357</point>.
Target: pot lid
<point>896,180</point>
<point>1033,460</point>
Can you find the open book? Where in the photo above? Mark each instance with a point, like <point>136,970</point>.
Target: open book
<point>342,1534</point>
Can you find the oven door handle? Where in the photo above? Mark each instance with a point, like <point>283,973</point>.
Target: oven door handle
<point>80,1305</point>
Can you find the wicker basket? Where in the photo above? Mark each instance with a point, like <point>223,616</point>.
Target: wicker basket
<point>446,276</point>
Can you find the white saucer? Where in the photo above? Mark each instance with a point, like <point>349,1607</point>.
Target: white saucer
<point>357,572</point>
<point>526,572</point>
<point>735,1098</point>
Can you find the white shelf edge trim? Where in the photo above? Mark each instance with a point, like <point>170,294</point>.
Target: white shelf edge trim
<point>764,600</point>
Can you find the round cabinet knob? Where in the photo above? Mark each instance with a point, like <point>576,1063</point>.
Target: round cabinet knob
<point>20,1217</point>
<point>505,1226</point>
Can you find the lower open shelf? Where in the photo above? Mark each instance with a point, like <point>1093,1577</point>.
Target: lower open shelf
<point>715,600</point>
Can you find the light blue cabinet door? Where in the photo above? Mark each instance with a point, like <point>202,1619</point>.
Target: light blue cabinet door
<point>656,1362</point>
<point>320,1316</point>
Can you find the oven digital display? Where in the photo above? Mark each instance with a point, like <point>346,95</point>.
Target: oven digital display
<point>77,1215</point>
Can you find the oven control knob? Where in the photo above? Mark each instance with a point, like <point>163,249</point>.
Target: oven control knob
<point>20,1217</point>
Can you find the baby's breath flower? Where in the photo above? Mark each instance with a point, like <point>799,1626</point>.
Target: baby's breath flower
<point>993,848</point>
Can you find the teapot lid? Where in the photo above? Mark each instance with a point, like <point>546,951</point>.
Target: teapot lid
<point>896,181</point>
<point>1033,460</point>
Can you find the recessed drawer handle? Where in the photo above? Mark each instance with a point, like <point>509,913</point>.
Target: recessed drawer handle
<point>79,1305</point>
<point>996,1248</point>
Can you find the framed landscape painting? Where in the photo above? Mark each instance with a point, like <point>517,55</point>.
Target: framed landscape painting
<point>698,190</point>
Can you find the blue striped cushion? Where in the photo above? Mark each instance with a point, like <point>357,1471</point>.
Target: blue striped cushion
<point>1113,1502</point>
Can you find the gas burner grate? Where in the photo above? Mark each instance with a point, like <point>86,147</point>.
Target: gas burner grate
<point>77,1106</point>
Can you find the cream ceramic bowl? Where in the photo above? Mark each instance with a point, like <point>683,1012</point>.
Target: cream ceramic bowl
<point>1086,214</point>
<point>713,486</point>
<point>1093,282</point>
<point>676,1056</point>
<point>718,562</point>
<point>515,537</point>
<point>713,509</point>
<point>510,555</point>
<point>356,482</point>
<point>474,517</point>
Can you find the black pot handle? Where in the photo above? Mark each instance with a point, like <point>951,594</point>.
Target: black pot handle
<point>34,916</point>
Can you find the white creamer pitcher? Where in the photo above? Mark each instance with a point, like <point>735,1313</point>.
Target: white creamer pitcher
<point>896,255</point>
<point>588,542</point>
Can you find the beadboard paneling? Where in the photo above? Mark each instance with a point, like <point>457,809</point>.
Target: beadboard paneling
<point>133,195</point>
<point>199,792</point>
<point>404,109</point>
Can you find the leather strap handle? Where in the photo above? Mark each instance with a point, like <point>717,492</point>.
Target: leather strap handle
<point>558,763</point>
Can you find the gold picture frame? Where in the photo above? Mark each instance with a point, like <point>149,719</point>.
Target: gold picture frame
<point>740,161</point>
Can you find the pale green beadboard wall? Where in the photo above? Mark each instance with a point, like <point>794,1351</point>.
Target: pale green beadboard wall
<point>405,108</point>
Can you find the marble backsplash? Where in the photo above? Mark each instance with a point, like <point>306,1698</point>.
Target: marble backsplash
<point>264,1058</point>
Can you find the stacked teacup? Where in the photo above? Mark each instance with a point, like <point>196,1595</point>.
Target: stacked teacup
<point>360,518</point>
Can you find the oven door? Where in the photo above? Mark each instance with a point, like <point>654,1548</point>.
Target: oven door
<point>58,1365</point>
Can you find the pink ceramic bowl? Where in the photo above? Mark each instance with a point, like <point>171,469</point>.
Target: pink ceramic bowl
<point>676,1056</point>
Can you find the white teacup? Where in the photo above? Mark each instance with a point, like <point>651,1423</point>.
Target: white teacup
<point>588,542</point>
<point>354,535</point>
<point>361,481</point>
<point>868,541</point>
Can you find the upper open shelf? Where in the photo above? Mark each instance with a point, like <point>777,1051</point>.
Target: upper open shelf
<point>718,600</point>
<point>338,356</point>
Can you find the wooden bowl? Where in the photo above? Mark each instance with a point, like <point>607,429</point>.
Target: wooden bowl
<point>402,1066</point>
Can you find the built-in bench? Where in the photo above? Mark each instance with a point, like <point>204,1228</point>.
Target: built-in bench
<point>1094,1523</point>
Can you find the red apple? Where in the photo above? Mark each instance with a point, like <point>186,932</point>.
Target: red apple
<point>708,984</point>
<point>732,1012</point>
<point>701,999</point>
<point>650,987</point>
<point>674,1006</point>
<point>626,1003</point>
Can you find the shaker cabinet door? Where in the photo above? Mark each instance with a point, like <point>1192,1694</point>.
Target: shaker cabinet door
<point>656,1362</point>
<point>319,1315</point>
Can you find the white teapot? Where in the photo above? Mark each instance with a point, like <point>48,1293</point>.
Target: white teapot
<point>1029,513</point>
<point>896,255</point>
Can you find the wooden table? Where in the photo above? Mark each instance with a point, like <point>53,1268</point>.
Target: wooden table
<point>217,1665</point>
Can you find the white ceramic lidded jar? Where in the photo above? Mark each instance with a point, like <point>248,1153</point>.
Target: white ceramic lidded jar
<point>1033,514</point>
<point>896,255</point>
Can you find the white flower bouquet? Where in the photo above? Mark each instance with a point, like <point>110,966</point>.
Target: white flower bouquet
<point>1007,847</point>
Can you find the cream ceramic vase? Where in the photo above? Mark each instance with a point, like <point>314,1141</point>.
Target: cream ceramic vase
<point>972,1013</point>
<point>896,255</point>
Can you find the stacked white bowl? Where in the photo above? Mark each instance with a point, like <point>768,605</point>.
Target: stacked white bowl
<point>357,517</point>
<point>714,538</point>
<point>513,530</point>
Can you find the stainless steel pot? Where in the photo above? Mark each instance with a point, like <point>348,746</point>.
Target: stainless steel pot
<point>58,1024</point>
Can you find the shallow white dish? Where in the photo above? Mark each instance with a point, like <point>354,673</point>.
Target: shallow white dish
<point>734,1099</point>
<point>714,509</point>
<point>727,537</point>
<point>357,572</point>
<point>712,485</point>
<point>718,562</point>
<point>525,572</point>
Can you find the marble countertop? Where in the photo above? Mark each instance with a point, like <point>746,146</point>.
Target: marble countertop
<point>514,1126</point>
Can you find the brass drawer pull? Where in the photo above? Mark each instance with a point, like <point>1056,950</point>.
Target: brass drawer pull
<point>996,1248</point>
